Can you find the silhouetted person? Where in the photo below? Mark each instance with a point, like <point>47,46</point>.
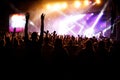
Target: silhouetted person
<point>46,33</point>
<point>115,51</point>
<point>42,29</point>
<point>60,54</point>
<point>1,43</point>
<point>34,40</point>
<point>30,46</point>
<point>101,53</point>
<point>86,56</point>
<point>72,50</point>
<point>15,43</point>
<point>27,16</point>
<point>46,51</point>
<point>8,43</point>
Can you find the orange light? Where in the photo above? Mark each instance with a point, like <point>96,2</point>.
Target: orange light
<point>48,6</point>
<point>98,1</point>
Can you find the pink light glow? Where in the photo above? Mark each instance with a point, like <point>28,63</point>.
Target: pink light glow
<point>16,21</point>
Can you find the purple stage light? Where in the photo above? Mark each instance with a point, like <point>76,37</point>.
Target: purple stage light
<point>72,21</point>
<point>75,25</point>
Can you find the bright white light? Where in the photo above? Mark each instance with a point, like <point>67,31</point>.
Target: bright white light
<point>86,2</point>
<point>92,14</point>
<point>56,7</point>
<point>77,4</point>
<point>100,15</point>
<point>89,32</point>
<point>17,21</point>
<point>97,20</point>
<point>62,28</point>
<point>66,25</point>
<point>64,5</point>
<point>32,23</point>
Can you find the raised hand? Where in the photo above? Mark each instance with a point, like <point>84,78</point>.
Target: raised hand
<point>42,28</point>
<point>27,15</point>
<point>42,16</point>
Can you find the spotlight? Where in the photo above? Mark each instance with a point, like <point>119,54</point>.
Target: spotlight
<point>98,1</point>
<point>49,7</point>
<point>64,5</point>
<point>86,2</point>
<point>17,21</point>
<point>77,4</point>
<point>56,7</point>
<point>92,14</point>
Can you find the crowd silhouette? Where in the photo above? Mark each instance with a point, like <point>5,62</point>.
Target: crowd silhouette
<point>51,48</point>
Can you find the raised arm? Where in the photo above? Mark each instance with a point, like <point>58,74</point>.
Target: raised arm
<point>27,16</point>
<point>42,28</point>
